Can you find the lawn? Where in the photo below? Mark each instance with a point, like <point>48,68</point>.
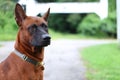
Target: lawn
<point>11,35</point>
<point>102,61</point>
<point>7,37</point>
<point>55,35</point>
<point>59,35</point>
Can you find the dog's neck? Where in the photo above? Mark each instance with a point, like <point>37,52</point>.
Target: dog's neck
<point>27,49</point>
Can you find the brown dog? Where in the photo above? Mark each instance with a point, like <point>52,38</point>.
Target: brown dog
<point>25,62</point>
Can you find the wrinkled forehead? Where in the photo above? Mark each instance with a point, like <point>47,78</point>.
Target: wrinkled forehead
<point>34,20</point>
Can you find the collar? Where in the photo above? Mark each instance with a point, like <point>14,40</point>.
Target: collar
<point>28,59</point>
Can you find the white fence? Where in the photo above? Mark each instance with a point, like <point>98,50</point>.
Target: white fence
<point>100,8</point>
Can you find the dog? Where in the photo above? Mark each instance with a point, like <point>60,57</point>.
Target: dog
<point>26,61</point>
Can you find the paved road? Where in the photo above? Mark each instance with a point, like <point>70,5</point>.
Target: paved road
<point>62,58</point>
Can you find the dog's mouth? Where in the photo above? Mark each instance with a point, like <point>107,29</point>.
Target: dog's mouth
<point>36,47</point>
<point>45,43</point>
<point>40,41</point>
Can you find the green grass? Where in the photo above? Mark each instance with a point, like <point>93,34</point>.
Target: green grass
<point>11,35</point>
<point>6,36</point>
<point>102,61</point>
<point>58,35</point>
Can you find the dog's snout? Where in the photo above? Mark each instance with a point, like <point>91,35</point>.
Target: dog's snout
<point>46,37</point>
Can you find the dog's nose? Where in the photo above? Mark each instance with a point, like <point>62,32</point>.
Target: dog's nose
<point>46,37</point>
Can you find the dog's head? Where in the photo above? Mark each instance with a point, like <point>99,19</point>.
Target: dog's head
<point>32,30</point>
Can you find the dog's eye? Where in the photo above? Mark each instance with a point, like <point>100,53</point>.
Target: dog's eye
<point>32,29</point>
<point>43,25</point>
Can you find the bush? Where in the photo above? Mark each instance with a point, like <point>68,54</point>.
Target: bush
<point>58,22</point>
<point>7,21</point>
<point>73,20</point>
<point>67,23</point>
<point>89,25</point>
<point>92,25</point>
<point>108,25</point>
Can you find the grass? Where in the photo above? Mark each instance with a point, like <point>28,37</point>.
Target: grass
<point>58,35</point>
<point>11,35</point>
<point>6,36</point>
<point>102,61</point>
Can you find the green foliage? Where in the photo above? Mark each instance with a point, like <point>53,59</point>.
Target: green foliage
<point>112,5</point>
<point>57,23</point>
<point>108,25</point>
<point>102,64</point>
<point>64,22</point>
<point>73,20</point>
<point>92,25</point>
<point>89,25</point>
<point>7,6</point>
<point>8,26</point>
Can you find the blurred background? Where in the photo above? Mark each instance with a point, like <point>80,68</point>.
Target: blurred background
<point>84,45</point>
<point>63,25</point>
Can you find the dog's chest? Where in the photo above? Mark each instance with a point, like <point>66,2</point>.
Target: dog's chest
<point>17,69</point>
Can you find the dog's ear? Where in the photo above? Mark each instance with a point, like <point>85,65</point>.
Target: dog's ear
<point>46,15</point>
<point>19,14</point>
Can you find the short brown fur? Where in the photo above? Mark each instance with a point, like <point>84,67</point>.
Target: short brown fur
<point>14,68</point>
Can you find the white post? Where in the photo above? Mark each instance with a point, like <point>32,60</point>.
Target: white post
<point>118,20</point>
<point>103,9</point>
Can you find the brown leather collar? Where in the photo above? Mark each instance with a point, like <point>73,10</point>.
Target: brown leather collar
<point>26,58</point>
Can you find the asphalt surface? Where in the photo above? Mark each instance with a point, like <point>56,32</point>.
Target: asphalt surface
<point>62,60</point>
